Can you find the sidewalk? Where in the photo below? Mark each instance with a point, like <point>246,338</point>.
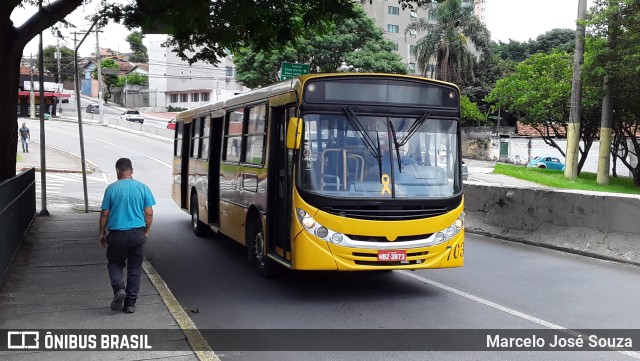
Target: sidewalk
<point>59,280</point>
<point>57,161</point>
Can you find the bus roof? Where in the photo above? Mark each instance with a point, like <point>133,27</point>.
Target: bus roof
<point>287,86</point>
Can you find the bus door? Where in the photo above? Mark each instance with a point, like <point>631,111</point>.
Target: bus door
<point>280,184</point>
<point>184,165</point>
<point>215,149</point>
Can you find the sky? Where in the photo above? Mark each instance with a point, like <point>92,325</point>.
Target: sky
<point>519,20</point>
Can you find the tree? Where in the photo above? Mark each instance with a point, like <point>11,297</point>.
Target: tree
<point>132,79</point>
<point>140,54</point>
<point>563,40</point>
<point>448,41</point>
<point>66,62</point>
<point>109,80</point>
<point>539,91</point>
<point>470,115</point>
<point>620,63</point>
<point>357,42</point>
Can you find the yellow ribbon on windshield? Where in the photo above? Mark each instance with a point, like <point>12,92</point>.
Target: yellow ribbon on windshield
<point>385,184</point>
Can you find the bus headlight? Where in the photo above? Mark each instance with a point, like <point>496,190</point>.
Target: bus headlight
<point>449,232</point>
<point>316,229</point>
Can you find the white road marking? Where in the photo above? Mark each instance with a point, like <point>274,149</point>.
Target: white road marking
<point>499,307</point>
<point>161,162</point>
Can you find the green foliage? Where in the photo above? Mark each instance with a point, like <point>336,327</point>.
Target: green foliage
<point>135,40</point>
<point>470,115</point>
<point>66,62</point>
<point>556,179</point>
<point>175,109</point>
<point>357,42</point>
<point>562,40</point>
<point>109,80</point>
<point>132,79</point>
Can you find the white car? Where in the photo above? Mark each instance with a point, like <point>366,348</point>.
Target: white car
<point>132,116</point>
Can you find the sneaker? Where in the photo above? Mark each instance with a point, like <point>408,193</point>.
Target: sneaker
<point>116,304</point>
<point>128,309</point>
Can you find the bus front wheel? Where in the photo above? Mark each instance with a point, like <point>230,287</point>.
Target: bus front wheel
<point>194,210</point>
<point>266,267</point>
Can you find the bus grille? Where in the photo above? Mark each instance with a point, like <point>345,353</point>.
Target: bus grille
<point>385,213</point>
<point>412,238</point>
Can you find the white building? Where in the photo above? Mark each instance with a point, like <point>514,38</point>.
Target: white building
<point>174,83</point>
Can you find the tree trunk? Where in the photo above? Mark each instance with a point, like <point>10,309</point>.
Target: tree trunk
<point>9,76</point>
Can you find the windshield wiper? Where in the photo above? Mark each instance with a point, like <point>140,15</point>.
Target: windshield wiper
<point>366,138</point>
<point>396,145</point>
<point>413,129</point>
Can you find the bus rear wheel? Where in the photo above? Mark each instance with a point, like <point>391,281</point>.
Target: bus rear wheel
<point>194,210</point>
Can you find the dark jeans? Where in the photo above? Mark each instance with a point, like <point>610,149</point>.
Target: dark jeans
<point>125,248</point>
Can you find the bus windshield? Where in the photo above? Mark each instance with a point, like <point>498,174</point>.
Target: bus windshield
<point>349,155</point>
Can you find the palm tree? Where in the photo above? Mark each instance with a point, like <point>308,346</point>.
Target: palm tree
<point>447,41</point>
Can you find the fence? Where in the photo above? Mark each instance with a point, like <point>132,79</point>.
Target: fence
<point>17,209</point>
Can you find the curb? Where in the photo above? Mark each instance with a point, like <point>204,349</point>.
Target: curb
<point>481,232</point>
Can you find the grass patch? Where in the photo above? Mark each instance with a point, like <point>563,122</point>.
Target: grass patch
<point>555,179</point>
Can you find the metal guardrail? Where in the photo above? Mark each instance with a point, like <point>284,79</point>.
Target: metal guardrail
<point>17,209</point>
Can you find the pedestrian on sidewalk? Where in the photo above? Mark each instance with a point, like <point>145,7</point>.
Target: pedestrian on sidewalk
<point>25,137</point>
<point>127,214</point>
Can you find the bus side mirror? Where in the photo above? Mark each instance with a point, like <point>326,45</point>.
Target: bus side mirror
<point>294,133</point>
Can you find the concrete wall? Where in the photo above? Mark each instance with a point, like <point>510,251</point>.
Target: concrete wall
<point>601,224</point>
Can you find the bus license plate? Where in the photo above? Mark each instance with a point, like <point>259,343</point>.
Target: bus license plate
<point>392,256</point>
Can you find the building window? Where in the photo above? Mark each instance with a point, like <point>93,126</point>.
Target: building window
<point>393,10</point>
<point>414,14</point>
<point>174,98</point>
<point>393,28</point>
<point>412,50</point>
<point>195,97</point>
<point>228,71</point>
<point>204,96</point>
<point>396,46</point>
<point>413,33</point>
<point>184,98</point>
<point>432,15</point>
<point>412,68</point>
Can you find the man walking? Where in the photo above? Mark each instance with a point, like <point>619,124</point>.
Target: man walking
<point>127,213</point>
<point>25,136</point>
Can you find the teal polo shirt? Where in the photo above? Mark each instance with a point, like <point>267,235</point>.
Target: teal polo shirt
<point>126,200</point>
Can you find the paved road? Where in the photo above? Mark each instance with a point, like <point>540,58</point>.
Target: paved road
<point>110,113</point>
<point>502,285</point>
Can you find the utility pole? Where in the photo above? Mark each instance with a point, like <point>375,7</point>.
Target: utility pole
<point>102,120</point>
<point>32,97</point>
<point>573,128</point>
<point>76,85</point>
<point>58,56</point>
<point>126,84</point>
<point>43,107</point>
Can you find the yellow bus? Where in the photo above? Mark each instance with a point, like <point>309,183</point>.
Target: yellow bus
<point>343,172</point>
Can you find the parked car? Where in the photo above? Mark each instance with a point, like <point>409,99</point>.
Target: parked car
<point>171,124</point>
<point>132,115</point>
<point>465,171</point>
<point>93,108</point>
<point>546,162</point>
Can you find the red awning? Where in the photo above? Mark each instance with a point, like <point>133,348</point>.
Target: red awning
<point>25,93</point>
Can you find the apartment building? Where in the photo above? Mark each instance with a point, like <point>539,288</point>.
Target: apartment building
<point>390,16</point>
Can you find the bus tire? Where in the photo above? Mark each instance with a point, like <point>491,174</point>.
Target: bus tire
<point>194,210</point>
<point>265,266</point>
